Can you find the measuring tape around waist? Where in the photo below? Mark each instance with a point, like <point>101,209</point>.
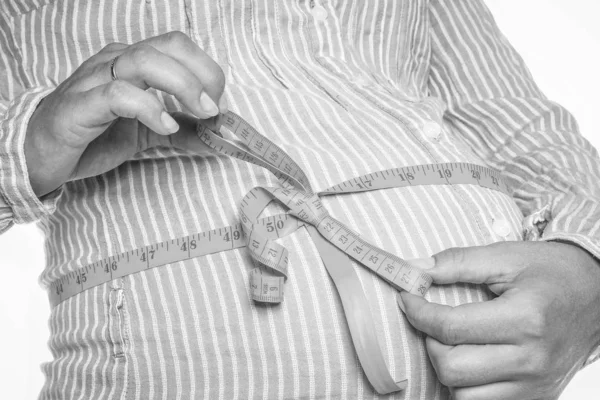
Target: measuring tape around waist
<point>334,240</point>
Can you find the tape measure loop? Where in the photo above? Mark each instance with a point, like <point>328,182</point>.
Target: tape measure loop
<point>336,242</point>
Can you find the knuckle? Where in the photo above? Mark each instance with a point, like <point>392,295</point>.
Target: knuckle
<point>455,255</point>
<point>535,364</point>
<point>458,255</point>
<point>536,325</point>
<point>109,48</point>
<point>520,318</point>
<point>214,77</point>
<point>115,90</point>
<point>186,87</point>
<point>449,332</point>
<point>141,54</point>
<point>178,38</point>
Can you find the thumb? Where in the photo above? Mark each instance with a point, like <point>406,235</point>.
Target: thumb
<point>480,264</point>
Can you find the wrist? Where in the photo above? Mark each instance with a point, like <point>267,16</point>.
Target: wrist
<point>592,274</point>
<point>46,159</point>
<point>579,247</point>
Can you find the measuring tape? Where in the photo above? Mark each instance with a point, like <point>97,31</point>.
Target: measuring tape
<point>335,241</point>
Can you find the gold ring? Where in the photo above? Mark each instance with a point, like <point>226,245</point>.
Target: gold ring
<point>113,69</point>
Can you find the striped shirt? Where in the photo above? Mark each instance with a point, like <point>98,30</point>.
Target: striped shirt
<point>346,88</point>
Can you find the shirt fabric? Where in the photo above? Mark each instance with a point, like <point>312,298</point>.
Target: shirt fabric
<point>346,88</point>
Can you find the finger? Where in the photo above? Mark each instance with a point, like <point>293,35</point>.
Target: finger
<point>183,49</point>
<point>97,108</point>
<point>495,391</point>
<point>476,323</point>
<point>144,66</point>
<point>83,80</point>
<point>471,365</point>
<point>186,138</point>
<point>176,45</point>
<point>498,263</point>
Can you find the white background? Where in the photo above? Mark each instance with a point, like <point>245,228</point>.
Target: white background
<point>559,40</point>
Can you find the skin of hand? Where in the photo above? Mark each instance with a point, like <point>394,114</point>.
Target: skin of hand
<point>528,342</point>
<point>90,124</point>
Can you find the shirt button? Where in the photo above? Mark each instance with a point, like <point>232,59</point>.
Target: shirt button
<point>501,227</point>
<point>432,130</point>
<point>319,13</point>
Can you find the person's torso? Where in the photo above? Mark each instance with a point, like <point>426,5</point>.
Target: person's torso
<point>339,85</point>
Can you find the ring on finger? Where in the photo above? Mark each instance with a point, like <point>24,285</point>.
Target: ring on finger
<point>113,69</point>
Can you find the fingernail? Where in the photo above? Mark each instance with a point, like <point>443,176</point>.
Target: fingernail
<point>208,105</point>
<point>168,122</point>
<point>223,106</point>
<point>423,263</point>
<point>400,302</point>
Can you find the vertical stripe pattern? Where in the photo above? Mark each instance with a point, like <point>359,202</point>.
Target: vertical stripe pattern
<point>346,88</point>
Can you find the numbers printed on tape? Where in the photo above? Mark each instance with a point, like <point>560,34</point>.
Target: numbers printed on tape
<point>419,175</point>
<point>259,234</point>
